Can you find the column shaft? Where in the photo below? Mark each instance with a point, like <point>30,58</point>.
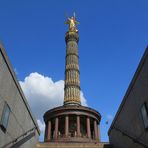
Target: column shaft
<point>72,79</point>
<point>98,132</point>
<point>88,127</point>
<point>95,129</point>
<point>56,127</point>
<point>49,130</point>
<point>78,126</point>
<point>66,126</point>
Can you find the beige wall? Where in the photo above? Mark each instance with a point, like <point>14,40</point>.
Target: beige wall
<point>21,119</point>
<point>128,122</point>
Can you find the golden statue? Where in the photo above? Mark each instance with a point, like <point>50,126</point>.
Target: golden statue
<point>72,23</point>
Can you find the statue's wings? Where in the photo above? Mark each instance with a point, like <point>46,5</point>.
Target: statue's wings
<point>77,22</point>
<point>66,22</point>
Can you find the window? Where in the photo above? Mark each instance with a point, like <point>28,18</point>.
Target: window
<point>144,113</point>
<point>5,117</point>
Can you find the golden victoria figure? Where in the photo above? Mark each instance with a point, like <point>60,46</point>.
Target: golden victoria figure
<point>72,23</point>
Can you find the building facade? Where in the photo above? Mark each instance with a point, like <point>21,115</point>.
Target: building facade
<point>130,125</point>
<point>18,127</point>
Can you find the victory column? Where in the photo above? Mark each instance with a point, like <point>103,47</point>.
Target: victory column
<point>72,122</point>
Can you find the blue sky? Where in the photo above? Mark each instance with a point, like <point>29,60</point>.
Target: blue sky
<point>113,37</point>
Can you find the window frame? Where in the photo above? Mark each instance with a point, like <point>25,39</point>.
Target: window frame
<point>144,114</point>
<point>5,117</point>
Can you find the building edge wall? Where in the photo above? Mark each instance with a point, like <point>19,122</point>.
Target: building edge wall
<point>128,128</point>
<point>138,70</point>
<point>2,50</point>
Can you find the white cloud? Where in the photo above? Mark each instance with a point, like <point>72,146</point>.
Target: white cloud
<point>43,94</point>
<point>83,100</point>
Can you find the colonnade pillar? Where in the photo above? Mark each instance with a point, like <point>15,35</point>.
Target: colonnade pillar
<point>56,127</point>
<point>66,126</point>
<point>88,127</point>
<point>49,130</point>
<point>78,126</point>
<point>95,129</point>
<point>98,131</point>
